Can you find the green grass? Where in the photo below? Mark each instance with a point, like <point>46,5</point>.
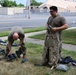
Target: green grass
<point>34,29</point>
<point>39,36</point>
<point>5,33</point>
<point>34,55</point>
<point>68,36</point>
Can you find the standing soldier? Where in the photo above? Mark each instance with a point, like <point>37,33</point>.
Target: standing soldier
<point>53,42</point>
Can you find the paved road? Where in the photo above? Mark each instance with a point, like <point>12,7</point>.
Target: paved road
<point>36,20</point>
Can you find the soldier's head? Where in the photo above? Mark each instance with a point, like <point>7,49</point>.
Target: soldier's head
<point>53,10</point>
<point>15,36</point>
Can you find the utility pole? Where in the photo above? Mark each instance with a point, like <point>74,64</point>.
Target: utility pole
<point>29,10</point>
<point>28,7</point>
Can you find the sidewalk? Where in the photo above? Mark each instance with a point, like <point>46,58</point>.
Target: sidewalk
<point>37,41</point>
<point>68,47</point>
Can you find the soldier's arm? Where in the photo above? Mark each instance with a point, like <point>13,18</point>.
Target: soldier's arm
<point>46,26</point>
<point>47,23</point>
<point>9,47</point>
<point>21,41</point>
<point>65,26</point>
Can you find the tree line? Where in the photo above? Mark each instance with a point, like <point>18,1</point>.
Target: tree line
<point>8,3</point>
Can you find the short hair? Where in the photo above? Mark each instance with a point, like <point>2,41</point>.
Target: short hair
<point>53,8</point>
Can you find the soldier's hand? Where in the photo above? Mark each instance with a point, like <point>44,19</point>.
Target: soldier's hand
<point>10,52</point>
<point>54,29</point>
<point>19,46</point>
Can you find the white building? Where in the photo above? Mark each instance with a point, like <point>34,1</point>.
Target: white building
<point>63,5</point>
<point>11,10</point>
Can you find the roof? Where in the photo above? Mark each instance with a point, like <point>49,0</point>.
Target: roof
<point>59,3</point>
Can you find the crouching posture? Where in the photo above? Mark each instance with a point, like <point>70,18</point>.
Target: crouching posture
<point>16,33</point>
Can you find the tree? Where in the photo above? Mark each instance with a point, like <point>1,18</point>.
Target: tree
<point>14,3</point>
<point>1,2</point>
<point>35,3</point>
<point>7,3</point>
<point>20,5</point>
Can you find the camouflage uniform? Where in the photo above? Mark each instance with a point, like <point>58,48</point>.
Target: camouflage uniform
<point>53,43</point>
<point>21,36</point>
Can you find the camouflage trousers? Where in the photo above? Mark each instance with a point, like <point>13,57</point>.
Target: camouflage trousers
<point>23,48</point>
<point>52,49</point>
